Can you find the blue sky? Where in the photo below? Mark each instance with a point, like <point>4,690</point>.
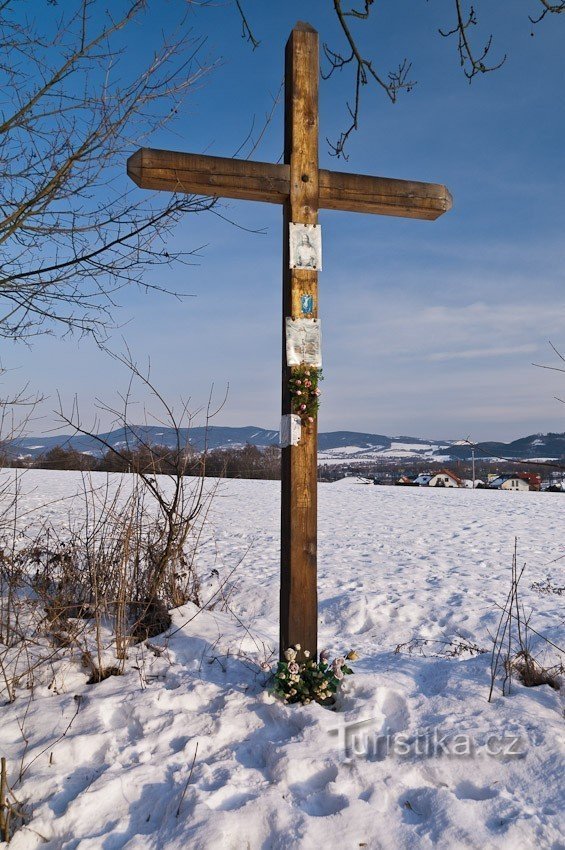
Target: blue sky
<point>430,328</point>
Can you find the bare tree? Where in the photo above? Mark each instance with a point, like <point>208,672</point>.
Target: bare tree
<point>74,102</point>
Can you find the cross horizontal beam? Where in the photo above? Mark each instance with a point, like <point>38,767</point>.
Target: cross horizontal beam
<point>247,180</point>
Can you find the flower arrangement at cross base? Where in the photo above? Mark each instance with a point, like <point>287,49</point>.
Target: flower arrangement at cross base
<point>305,392</point>
<point>309,680</point>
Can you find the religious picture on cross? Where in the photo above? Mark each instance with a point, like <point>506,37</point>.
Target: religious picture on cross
<point>305,246</point>
<point>303,342</point>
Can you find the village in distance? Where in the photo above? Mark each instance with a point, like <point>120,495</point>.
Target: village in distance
<point>533,463</point>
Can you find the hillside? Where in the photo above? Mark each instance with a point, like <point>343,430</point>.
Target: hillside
<point>333,446</point>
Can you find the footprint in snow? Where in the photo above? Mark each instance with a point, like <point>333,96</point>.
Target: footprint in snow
<point>396,714</point>
<point>226,800</point>
<point>322,804</point>
<point>417,804</point>
<point>467,791</point>
<point>317,780</point>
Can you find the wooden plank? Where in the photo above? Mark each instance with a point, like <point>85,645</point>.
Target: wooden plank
<point>383,195</point>
<point>196,174</point>
<point>299,593</point>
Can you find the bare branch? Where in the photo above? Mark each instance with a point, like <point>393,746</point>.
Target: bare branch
<point>246,31</point>
<point>548,9</point>
<point>392,83</point>
<point>471,64</point>
<point>355,13</point>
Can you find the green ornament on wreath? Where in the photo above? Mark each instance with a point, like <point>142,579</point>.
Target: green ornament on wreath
<point>305,393</point>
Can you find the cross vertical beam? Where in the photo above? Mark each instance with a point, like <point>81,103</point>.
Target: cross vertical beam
<point>302,189</point>
<point>299,593</point>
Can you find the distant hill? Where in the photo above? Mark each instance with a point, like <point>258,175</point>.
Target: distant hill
<point>333,446</point>
<point>214,437</point>
<point>548,446</point>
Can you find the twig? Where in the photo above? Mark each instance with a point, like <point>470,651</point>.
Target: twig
<point>471,64</point>
<point>7,808</point>
<point>392,84</point>
<point>187,781</point>
<point>548,9</point>
<point>4,816</point>
<point>78,700</point>
<point>246,31</point>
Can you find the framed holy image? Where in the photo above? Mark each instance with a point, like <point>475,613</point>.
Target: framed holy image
<point>305,241</point>
<point>303,342</point>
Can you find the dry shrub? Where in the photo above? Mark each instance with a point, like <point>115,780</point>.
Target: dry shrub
<point>440,648</point>
<point>92,584</point>
<point>532,674</point>
<point>12,812</point>
<point>93,587</point>
<point>513,644</point>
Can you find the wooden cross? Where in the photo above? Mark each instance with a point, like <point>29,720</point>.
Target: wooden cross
<point>302,189</point>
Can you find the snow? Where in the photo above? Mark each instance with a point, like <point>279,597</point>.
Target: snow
<point>396,451</point>
<point>109,765</point>
<point>346,451</point>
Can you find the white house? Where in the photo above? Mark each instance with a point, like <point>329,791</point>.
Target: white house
<point>445,478</point>
<point>509,482</point>
<point>515,484</point>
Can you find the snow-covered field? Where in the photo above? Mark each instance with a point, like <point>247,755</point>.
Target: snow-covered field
<point>113,765</point>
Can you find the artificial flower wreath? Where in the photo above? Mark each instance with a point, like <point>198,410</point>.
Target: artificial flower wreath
<point>305,393</point>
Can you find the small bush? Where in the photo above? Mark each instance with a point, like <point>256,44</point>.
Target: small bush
<point>532,674</point>
<point>515,638</point>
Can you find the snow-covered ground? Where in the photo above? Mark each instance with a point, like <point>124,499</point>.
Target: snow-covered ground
<point>189,750</point>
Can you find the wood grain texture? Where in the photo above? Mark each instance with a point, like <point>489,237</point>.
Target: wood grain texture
<point>299,592</point>
<point>196,174</point>
<point>383,195</point>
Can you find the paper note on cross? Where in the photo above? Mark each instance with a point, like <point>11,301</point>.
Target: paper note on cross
<point>302,188</point>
